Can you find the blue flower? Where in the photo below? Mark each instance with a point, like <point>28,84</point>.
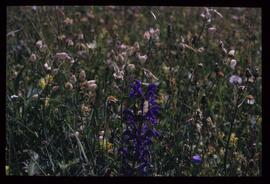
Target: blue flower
<point>235,79</point>
<point>140,129</point>
<point>136,89</point>
<point>196,159</point>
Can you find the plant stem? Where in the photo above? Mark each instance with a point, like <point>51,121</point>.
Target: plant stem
<point>230,132</point>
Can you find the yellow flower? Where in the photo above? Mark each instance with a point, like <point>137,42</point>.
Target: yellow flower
<point>211,149</point>
<point>7,170</point>
<point>221,135</point>
<point>162,98</point>
<point>48,79</point>
<point>42,83</point>
<point>46,103</point>
<point>106,145</point>
<point>165,68</point>
<point>233,139</point>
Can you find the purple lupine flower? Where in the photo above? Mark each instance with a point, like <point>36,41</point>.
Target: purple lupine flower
<point>140,129</point>
<point>136,89</point>
<point>196,159</point>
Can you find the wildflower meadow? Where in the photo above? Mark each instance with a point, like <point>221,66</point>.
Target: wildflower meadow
<point>133,91</point>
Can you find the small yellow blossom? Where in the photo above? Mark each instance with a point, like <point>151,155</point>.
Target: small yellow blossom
<point>48,79</point>
<point>106,145</point>
<point>46,102</point>
<point>233,139</point>
<point>42,83</point>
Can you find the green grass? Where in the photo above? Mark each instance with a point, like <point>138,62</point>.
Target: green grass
<point>41,136</point>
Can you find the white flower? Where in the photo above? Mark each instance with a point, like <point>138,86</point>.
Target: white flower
<point>119,75</point>
<point>231,53</point>
<point>47,67</point>
<point>235,79</point>
<point>142,58</point>
<point>82,76</point>
<point>92,45</point>
<point>151,31</point>
<point>91,85</point>
<point>14,97</point>
<point>80,36</point>
<point>73,79</point>
<point>100,138</point>
<point>62,56</point>
<point>130,67</point>
<point>233,64</point>
<point>68,86</point>
<point>33,58</point>
<point>68,21</point>
<point>70,42</point>
<point>39,44</point>
<point>34,8</point>
<point>77,133</point>
<point>250,100</point>
<point>212,29</point>
<point>146,35</point>
<point>101,133</point>
<point>35,97</point>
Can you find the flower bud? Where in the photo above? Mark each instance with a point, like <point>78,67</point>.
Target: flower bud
<point>146,35</point>
<point>68,86</point>
<point>33,58</point>
<point>100,138</point>
<point>212,29</point>
<point>70,42</point>
<point>101,133</point>
<point>47,67</point>
<point>77,133</point>
<point>82,76</point>
<point>250,100</point>
<point>39,44</point>
<point>142,58</point>
<point>91,87</point>
<point>35,97</point>
<point>73,79</point>
<point>233,64</point>
<point>136,46</point>
<point>130,67</point>
<point>231,53</point>
<point>55,88</point>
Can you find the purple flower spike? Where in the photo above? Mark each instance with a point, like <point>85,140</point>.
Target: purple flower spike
<point>140,129</point>
<point>136,89</point>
